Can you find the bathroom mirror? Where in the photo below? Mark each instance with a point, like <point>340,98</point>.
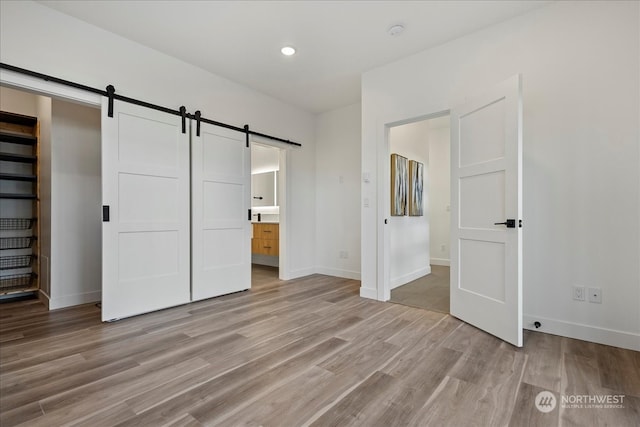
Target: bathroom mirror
<point>264,189</point>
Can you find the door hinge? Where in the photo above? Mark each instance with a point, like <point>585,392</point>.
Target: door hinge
<point>105,213</point>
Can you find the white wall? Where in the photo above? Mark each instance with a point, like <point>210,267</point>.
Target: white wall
<point>16,101</point>
<point>76,200</point>
<point>409,235</point>
<point>581,70</point>
<point>337,225</point>
<point>35,37</point>
<point>439,189</point>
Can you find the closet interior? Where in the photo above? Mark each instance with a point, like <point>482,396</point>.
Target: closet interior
<point>20,209</point>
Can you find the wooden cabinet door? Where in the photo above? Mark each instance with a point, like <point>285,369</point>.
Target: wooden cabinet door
<point>265,239</point>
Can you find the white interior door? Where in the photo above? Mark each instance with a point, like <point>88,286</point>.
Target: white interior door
<point>486,188</point>
<point>145,183</point>
<point>221,228</point>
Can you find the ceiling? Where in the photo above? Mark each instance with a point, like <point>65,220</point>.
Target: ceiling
<point>336,41</point>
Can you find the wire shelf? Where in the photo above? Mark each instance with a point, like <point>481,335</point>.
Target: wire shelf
<point>16,242</point>
<point>16,223</point>
<point>16,261</point>
<point>16,282</point>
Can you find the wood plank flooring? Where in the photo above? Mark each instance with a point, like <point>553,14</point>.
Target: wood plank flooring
<point>308,351</point>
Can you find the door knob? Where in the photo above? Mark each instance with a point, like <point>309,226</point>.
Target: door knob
<point>510,223</point>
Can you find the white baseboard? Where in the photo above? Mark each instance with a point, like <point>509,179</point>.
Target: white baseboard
<point>440,261</point>
<point>399,281</point>
<point>347,274</point>
<point>579,331</point>
<point>76,299</point>
<point>294,274</point>
<point>370,293</point>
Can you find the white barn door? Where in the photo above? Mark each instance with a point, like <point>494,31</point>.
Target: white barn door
<point>145,185</point>
<point>486,188</point>
<point>220,203</point>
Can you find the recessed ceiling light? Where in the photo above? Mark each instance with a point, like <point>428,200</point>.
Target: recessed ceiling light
<point>288,51</point>
<point>395,30</point>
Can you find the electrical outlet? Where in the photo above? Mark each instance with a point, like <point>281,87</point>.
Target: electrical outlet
<point>595,295</point>
<point>578,293</point>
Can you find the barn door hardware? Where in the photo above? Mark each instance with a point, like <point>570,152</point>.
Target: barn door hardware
<point>197,116</point>
<point>111,91</point>
<point>183,113</point>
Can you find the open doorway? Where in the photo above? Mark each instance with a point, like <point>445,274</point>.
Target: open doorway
<point>53,180</point>
<point>268,196</point>
<point>419,244</point>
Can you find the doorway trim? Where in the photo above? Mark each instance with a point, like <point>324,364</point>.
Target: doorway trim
<point>38,86</point>
<point>383,253</point>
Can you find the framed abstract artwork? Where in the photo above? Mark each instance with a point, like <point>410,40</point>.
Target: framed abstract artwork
<point>416,172</point>
<point>399,176</point>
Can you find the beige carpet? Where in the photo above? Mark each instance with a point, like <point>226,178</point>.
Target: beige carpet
<point>430,292</point>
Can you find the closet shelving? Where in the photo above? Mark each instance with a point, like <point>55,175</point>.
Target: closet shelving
<point>19,195</point>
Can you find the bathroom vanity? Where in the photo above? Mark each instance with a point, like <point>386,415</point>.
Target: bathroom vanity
<point>265,238</point>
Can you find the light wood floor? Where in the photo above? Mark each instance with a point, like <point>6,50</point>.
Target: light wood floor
<point>430,292</point>
<point>303,352</point>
